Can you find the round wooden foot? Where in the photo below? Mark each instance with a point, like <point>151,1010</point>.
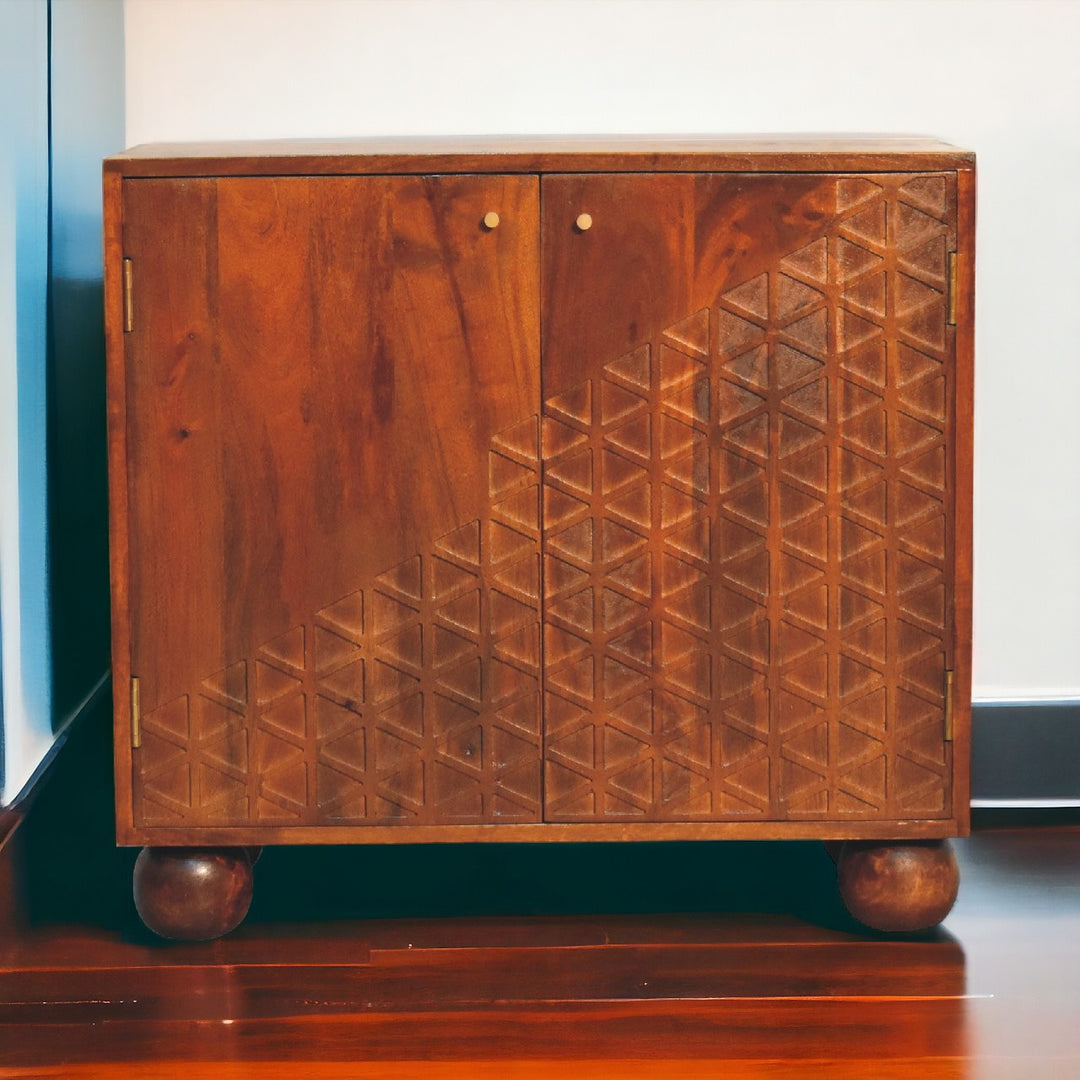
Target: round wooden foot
<point>192,895</point>
<point>898,886</point>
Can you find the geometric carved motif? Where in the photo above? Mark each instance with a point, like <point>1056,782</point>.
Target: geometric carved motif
<point>745,597</point>
<point>745,542</point>
<point>412,700</point>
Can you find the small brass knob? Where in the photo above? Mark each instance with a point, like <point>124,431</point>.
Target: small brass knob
<point>491,220</point>
<point>584,222</point>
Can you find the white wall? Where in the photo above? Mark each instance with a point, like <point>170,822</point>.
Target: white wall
<point>52,417</point>
<point>87,110</point>
<point>1001,78</point>
<point>24,231</point>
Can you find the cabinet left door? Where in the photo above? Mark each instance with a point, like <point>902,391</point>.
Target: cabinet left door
<point>330,388</point>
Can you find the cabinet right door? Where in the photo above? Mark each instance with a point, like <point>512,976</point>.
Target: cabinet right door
<point>747,462</point>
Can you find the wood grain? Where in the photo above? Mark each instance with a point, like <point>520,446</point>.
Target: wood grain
<point>313,402</point>
<point>898,887</point>
<point>943,1068</point>
<point>543,833</point>
<point>119,539</point>
<point>341,405</point>
<point>186,895</point>
<point>746,477</point>
<point>538,154</point>
<point>964,469</point>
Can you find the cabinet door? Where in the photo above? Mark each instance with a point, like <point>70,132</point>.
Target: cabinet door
<point>747,496</point>
<point>332,387</point>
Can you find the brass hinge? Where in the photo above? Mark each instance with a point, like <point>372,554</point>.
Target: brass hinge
<point>129,303</point>
<point>951,319</point>
<point>948,706</point>
<point>136,715</point>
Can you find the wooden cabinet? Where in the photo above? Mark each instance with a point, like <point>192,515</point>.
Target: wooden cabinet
<point>541,492</point>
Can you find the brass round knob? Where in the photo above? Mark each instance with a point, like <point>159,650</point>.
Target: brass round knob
<point>491,220</point>
<point>583,223</point>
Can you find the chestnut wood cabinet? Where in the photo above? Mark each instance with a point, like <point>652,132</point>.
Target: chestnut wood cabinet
<point>541,491</point>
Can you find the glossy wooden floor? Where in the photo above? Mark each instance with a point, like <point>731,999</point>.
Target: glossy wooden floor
<point>688,961</point>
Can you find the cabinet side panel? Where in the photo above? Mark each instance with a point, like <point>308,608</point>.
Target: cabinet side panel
<point>746,476</point>
<point>337,476</point>
<point>963,419</point>
<point>116,406</point>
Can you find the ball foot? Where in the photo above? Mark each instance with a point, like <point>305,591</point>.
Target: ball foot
<point>898,886</point>
<point>190,894</point>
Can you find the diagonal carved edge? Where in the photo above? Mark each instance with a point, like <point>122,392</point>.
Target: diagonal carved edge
<point>728,632</point>
<point>411,699</point>
<point>745,542</point>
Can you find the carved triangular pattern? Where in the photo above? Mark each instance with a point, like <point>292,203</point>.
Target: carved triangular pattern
<point>711,682</point>
<point>834,325</point>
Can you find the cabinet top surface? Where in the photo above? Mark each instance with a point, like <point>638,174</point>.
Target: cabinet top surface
<point>415,154</point>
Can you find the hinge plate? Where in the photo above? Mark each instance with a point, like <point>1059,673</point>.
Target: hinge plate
<point>136,715</point>
<point>948,706</point>
<point>953,258</point>
<point>129,302</point>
